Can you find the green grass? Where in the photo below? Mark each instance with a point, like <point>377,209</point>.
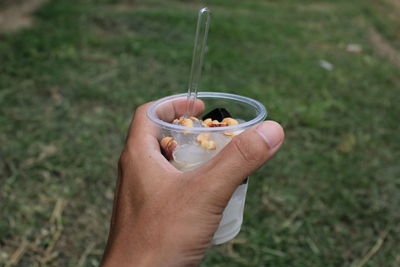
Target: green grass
<point>69,85</point>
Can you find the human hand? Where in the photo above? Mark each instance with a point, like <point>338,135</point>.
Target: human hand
<point>165,217</point>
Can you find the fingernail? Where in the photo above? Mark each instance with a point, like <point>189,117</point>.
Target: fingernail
<point>271,132</point>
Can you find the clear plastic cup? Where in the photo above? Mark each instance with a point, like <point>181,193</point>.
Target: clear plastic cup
<point>189,154</point>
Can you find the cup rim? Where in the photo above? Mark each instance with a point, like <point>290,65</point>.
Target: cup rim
<point>262,113</point>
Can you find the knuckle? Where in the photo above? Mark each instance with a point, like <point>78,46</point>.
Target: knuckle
<point>142,107</point>
<point>140,110</point>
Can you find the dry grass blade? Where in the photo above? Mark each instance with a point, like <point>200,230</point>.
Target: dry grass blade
<point>287,223</point>
<point>56,216</point>
<point>56,229</point>
<point>231,250</point>
<point>372,251</point>
<point>18,15</point>
<point>17,255</point>
<point>45,152</point>
<point>85,254</point>
<point>384,47</point>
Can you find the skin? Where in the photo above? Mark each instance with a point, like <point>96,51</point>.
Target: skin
<point>165,217</point>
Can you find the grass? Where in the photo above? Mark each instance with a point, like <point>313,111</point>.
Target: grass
<point>69,85</point>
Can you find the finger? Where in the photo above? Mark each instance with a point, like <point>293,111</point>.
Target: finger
<point>143,133</point>
<point>142,130</point>
<point>175,109</point>
<point>141,144</point>
<point>241,157</point>
<point>142,127</point>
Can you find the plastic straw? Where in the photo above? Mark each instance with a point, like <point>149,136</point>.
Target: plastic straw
<point>200,45</point>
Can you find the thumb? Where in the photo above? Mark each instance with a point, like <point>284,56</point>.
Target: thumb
<point>241,157</point>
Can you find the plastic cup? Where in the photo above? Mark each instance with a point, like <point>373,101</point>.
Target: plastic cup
<point>189,154</point>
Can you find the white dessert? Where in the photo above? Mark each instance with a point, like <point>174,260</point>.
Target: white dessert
<point>193,150</point>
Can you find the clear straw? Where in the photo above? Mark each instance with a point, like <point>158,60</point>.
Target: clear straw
<point>200,45</point>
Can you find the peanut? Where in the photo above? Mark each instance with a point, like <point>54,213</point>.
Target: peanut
<point>211,145</point>
<point>202,137</point>
<point>187,123</point>
<point>230,121</point>
<point>168,145</point>
<point>206,122</point>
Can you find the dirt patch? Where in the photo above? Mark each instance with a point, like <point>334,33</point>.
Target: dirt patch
<point>18,15</point>
<point>383,47</point>
<point>395,3</point>
<point>317,7</point>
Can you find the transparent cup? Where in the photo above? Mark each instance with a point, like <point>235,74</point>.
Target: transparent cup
<point>188,154</point>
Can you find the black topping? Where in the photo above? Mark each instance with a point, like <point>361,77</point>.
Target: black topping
<point>217,114</point>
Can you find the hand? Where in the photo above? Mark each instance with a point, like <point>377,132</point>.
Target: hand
<point>165,217</point>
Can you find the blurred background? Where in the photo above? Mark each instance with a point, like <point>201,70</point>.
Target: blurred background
<point>73,71</point>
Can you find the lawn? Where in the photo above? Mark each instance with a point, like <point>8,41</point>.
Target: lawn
<point>70,83</point>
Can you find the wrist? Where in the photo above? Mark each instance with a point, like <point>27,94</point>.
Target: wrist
<point>124,255</point>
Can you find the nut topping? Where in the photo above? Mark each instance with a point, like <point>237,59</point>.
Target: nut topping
<point>168,145</point>
<point>204,141</point>
<point>184,121</point>
<point>202,137</point>
<point>187,123</point>
<point>211,145</point>
<point>207,122</point>
<point>230,121</point>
